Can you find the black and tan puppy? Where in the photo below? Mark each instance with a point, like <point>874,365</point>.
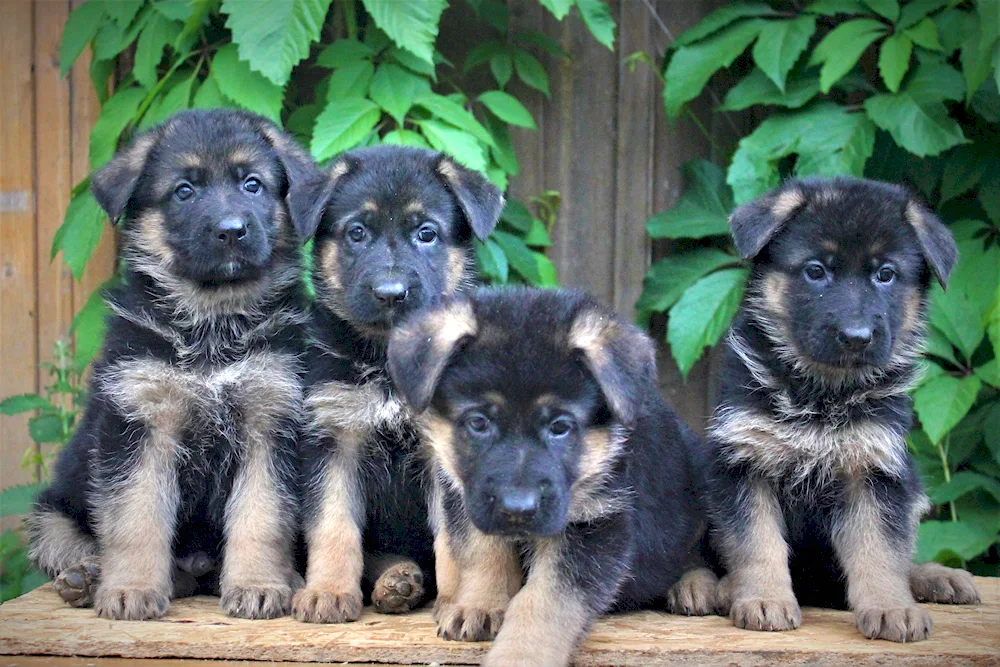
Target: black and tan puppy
<point>395,230</point>
<point>811,483</point>
<point>186,446</point>
<point>554,456</point>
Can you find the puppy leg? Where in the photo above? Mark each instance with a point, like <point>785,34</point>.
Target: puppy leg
<point>877,565</point>
<point>446,571</point>
<point>931,582</point>
<point>694,594</point>
<point>60,549</point>
<point>398,583</point>
<point>757,593</point>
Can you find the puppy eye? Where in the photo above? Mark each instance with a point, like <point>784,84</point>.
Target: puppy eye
<point>885,275</point>
<point>356,233</point>
<point>183,192</point>
<point>427,234</point>
<point>560,427</point>
<point>252,185</point>
<point>815,272</point>
<point>478,424</point>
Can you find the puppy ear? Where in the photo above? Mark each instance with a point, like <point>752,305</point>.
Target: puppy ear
<point>301,171</point>
<point>755,223</point>
<point>420,348</point>
<point>114,183</point>
<point>481,201</point>
<point>936,241</point>
<point>310,199</point>
<point>622,359</point>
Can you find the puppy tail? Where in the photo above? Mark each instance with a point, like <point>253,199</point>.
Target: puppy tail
<point>56,542</point>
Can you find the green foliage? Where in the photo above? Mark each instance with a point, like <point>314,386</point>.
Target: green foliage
<point>900,91</point>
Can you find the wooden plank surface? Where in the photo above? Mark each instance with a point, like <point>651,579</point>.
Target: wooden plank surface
<point>39,623</point>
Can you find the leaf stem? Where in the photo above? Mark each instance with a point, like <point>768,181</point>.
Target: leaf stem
<point>943,453</point>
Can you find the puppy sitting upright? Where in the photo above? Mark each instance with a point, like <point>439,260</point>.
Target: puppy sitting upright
<point>187,440</point>
<point>812,483</point>
<point>395,230</point>
<point>553,451</point>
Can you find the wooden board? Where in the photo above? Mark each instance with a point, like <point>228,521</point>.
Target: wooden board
<point>39,623</point>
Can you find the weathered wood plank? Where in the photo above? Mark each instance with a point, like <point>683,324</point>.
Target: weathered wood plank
<point>18,306</point>
<point>39,623</point>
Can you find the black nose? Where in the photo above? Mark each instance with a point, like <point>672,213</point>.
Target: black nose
<point>519,503</point>
<point>390,292</point>
<point>230,230</point>
<point>854,339</point>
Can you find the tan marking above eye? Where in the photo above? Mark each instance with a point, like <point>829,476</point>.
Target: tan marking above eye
<point>496,398</point>
<point>829,245</point>
<point>414,207</point>
<point>370,206</point>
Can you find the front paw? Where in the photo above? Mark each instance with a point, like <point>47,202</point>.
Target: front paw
<point>399,589</point>
<point>468,624</point>
<point>897,624</point>
<point>76,584</point>
<point>256,602</point>
<point>931,582</point>
<point>315,605</point>
<point>694,594</point>
<point>768,615</point>
<point>131,604</point>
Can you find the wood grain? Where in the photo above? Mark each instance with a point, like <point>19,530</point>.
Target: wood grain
<point>39,623</point>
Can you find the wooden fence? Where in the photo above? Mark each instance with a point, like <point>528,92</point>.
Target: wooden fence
<point>603,142</point>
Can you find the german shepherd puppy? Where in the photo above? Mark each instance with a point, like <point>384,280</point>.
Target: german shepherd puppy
<point>811,481</point>
<point>554,455</point>
<point>186,447</point>
<point>395,230</point>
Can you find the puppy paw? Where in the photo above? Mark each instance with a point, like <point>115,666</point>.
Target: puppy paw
<point>131,604</point>
<point>76,584</point>
<point>897,624</point>
<point>256,602</point>
<point>468,624</point>
<point>767,615</point>
<point>197,564</point>
<point>314,605</point>
<point>931,582</point>
<point>399,589</point>
<point>694,594</point>
<point>520,656</point>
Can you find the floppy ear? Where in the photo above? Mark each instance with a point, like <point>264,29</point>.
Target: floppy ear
<point>301,171</point>
<point>481,201</point>
<point>936,241</point>
<point>755,223</point>
<point>114,183</point>
<point>309,200</point>
<point>420,348</point>
<point>622,359</point>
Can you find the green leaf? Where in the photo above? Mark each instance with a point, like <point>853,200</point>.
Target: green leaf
<point>780,45</point>
<point>341,125</point>
<point>115,116</point>
<point>703,210</point>
<point>925,34</point>
<point>175,10</point>
<point>405,138</point>
<point>886,8</point>
<point>16,500</point>
<point>938,539</point>
<point>172,100</point>
<point>123,11</point>
<point>245,87</point>
<point>412,62</point>
<point>559,8</point>
<point>32,580</point>
<point>842,47</point>
<point>159,32</point>
<point>962,483</point>
<point>15,405</point>
<point>671,276</point>
<point>394,88</point>
<point>828,139</point>
<point>209,96</point>
<point>100,74</point>
<point>352,80</point>
<point>989,191</point>
<point>834,7</point>
<point>483,53</point>
<point>81,27</point>
<point>492,262</point>
<point>720,18</point>
<point>542,41</point>
<point>894,60</point>
<point>503,149</point>
<point>46,428</point>
<point>112,38</point>
<point>916,10</point>
<point>507,108</point>
<point>758,89</point>
<point>597,17</point>
<point>548,275</point>
<point>451,112</point>
<point>538,236</point>
<point>200,9</point>
<point>274,36</point>
<point>963,169</point>
<point>502,67</point>
<point>460,145</point>
<point>989,372</point>
<point>938,345</point>
<point>692,66</point>
<point>89,326</point>
<point>342,52</point>
<point>80,232</point>
<point>520,257</point>
<point>702,315</point>
<point>531,72</point>
<point>517,215</point>
<point>941,402</point>
<point>411,25</point>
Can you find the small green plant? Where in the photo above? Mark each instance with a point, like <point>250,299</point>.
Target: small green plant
<point>899,91</point>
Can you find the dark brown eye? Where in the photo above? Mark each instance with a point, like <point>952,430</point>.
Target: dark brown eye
<point>478,424</point>
<point>560,427</point>
<point>252,185</point>
<point>427,234</point>
<point>356,233</point>
<point>815,272</point>
<point>183,192</point>
<point>885,275</point>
